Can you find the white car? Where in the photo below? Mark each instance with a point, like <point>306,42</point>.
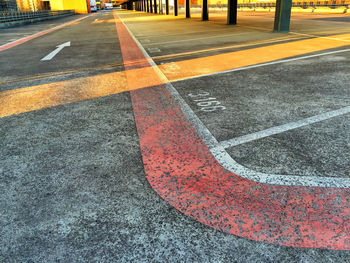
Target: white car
<point>108,6</point>
<point>93,7</point>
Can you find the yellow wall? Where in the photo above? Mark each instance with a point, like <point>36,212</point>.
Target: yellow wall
<point>80,6</point>
<point>56,5</point>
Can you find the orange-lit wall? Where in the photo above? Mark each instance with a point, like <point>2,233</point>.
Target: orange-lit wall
<point>79,6</point>
<point>29,5</point>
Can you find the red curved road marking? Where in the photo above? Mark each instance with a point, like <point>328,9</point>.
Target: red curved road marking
<point>181,169</point>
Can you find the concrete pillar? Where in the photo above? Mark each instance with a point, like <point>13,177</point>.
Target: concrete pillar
<point>231,12</point>
<point>205,11</point>
<point>167,7</point>
<point>150,6</point>
<point>155,6</point>
<point>129,5</point>
<point>176,7</point>
<point>188,8</point>
<point>282,15</point>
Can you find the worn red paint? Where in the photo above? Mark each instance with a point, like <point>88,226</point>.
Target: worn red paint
<point>181,169</point>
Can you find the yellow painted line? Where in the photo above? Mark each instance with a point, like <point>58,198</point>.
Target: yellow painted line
<point>97,22</point>
<point>63,92</point>
<point>217,63</point>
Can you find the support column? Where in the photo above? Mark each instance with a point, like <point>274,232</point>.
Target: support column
<point>188,8</point>
<point>167,7</point>
<point>150,6</point>
<point>205,12</point>
<point>231,12</point>
<point>147,6</point>
<point>282,15</point>
<point>176,7</point>
<point>160,7</point>
<point>129,5</point>
<point>155,6</point>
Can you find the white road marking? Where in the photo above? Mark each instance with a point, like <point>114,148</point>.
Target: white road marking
<point>224,158</point>
<point>153,50</point>
<point>185,33</point>
<point>198,38</point>
<point>309,35</point>
<point>96,19</point>
<point>53,28</point>
<point>283,128</point>
<point>55,52</point>
<point>276,40</point>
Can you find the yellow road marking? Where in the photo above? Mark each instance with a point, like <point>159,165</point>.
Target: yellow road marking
<point>63,92</point>
<point>68,91</point>
<point>217,63</point>
<point>58,93</point>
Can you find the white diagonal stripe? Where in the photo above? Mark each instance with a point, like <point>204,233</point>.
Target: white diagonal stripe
<point>283,128</point>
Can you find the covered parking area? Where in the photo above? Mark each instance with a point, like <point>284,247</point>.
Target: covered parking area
<point>282,12</point>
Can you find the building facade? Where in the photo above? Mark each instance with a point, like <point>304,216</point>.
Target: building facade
<point>8,5</point>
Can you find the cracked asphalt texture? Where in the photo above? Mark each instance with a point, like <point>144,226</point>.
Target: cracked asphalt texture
<point>73,189</point>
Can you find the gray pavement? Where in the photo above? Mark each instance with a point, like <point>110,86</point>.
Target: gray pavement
<point>72,184</point>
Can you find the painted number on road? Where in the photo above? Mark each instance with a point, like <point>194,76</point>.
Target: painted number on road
<point>153,49</point>
<point>205,102</point>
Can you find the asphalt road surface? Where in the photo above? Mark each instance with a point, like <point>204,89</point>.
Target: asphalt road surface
<point>82,179</point>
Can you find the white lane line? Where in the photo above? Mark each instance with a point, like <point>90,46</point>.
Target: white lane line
<point>198,38</point>
<point>185,33</point>
<point>267,64</point>
<point>309,35</point>
<point>251,44</point>
<point>283,128</point>
<point>224,159</point>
